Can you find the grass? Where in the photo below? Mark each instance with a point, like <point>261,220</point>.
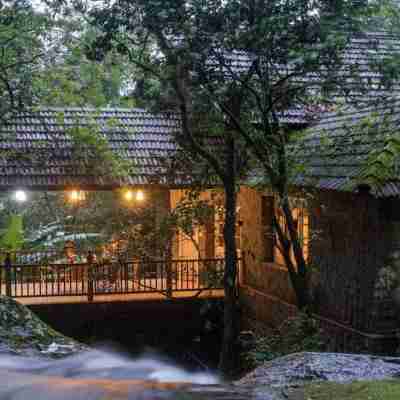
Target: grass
<point>376,390</point>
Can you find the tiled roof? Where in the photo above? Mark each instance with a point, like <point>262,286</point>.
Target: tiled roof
<point>358,63</point>
<point>337,151</point>
<point>35,147</point>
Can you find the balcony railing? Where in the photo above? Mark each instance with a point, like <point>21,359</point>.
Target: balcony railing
<point>47,279</point>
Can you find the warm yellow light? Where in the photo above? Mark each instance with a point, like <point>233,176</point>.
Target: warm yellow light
<point>77,195</point>
<point>74,195</point>
<point>128,195</point>
<point>139,195</point>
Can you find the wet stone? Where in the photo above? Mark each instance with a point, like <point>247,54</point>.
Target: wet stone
<point>298,369</point>
<point>22,333</point>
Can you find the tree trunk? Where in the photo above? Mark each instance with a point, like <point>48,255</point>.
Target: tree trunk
<point>300,285</point>
<point>228,357</point>
<point>299,274</point>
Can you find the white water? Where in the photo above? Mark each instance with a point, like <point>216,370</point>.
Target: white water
<point>103,374</point>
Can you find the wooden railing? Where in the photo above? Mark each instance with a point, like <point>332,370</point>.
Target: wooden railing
<point>109,277</point>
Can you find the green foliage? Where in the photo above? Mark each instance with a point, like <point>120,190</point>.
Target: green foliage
<point>297,334</point>
<point>79,82</point>
<point>190,213</point>
<point>23,32</point>
<point>376,390</point>
<point>382,164</point>
<point>377,135</point>
<point>92,151</point>
<point>14,236</point>
<point>55,235</point>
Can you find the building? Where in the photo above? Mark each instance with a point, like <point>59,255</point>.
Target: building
<point>347,218</point>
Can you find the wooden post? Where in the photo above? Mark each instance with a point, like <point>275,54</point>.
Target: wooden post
<point>169,275</point>
<point>7,265</point>
<point>90,276</point>
<point>126,274</point>
<point>242,269</point>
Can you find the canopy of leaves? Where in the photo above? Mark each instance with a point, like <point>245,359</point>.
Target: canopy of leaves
<point>23,46</point>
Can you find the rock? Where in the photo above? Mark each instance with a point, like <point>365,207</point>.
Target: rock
<point>297,369</point>
<point>23,333</point>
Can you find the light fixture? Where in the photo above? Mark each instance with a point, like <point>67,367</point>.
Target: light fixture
<point>20,196</point>
<point>128,195</point>
<point>139,195</point>
<point>76,196</point>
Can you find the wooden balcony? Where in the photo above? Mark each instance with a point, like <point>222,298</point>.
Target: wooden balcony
<point>110,281</point>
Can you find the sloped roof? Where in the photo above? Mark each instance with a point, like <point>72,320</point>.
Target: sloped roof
<point>36,147</point>
<point>341,148</point>
<point>358,67</point>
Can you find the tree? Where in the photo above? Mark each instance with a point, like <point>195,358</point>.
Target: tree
<point>13,237</point>
<point>205,137</point>
<point>23,36</point>
<point>233,71</point>
<point>74,80</point>
<point>298,54</point>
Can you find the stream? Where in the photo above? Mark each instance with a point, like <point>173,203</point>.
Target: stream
<point>105,374</point>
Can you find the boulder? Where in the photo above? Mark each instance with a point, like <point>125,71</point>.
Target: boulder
<point>300,368</point>
<point>23,333</point>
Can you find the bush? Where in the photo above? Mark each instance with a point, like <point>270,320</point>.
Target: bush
<point>297,334</point>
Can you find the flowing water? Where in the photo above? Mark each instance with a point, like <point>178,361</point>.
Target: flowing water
<point>107,375</point>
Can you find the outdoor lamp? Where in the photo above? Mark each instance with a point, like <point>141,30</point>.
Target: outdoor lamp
<point>76,195</point>
<point>139,195</point>
<point>128,195</point>
<point>20,196</point>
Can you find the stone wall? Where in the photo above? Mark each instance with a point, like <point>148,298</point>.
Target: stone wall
<point>354,251</point>
<point>355,256</point>
<point>266,277</point>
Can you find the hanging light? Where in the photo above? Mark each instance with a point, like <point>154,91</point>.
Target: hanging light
<point>76,196</point>
<point>139,195</point>
<point>20,196</point>
<point>128,195</point>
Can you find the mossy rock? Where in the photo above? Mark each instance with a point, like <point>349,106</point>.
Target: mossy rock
<point>22,332</point>
<point>371,390</point>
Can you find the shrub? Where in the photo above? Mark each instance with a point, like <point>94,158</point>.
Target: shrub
<point>296,334</point>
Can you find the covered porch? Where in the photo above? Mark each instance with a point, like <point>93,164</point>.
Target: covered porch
<point>47,157</point>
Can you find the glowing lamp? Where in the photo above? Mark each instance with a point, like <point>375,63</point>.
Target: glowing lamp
<point>139,195</point>
<point>76,196</point>
<point>128,195</point>
<point>20,196</point>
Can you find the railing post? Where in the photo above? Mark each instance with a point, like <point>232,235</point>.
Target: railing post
<point>7,265</point>
<point>169,277</point>
<point>242,268</point>
<point>90,275</point>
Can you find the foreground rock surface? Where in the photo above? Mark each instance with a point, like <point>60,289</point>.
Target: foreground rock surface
<point>301,368</point>
<point>23,333</point>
